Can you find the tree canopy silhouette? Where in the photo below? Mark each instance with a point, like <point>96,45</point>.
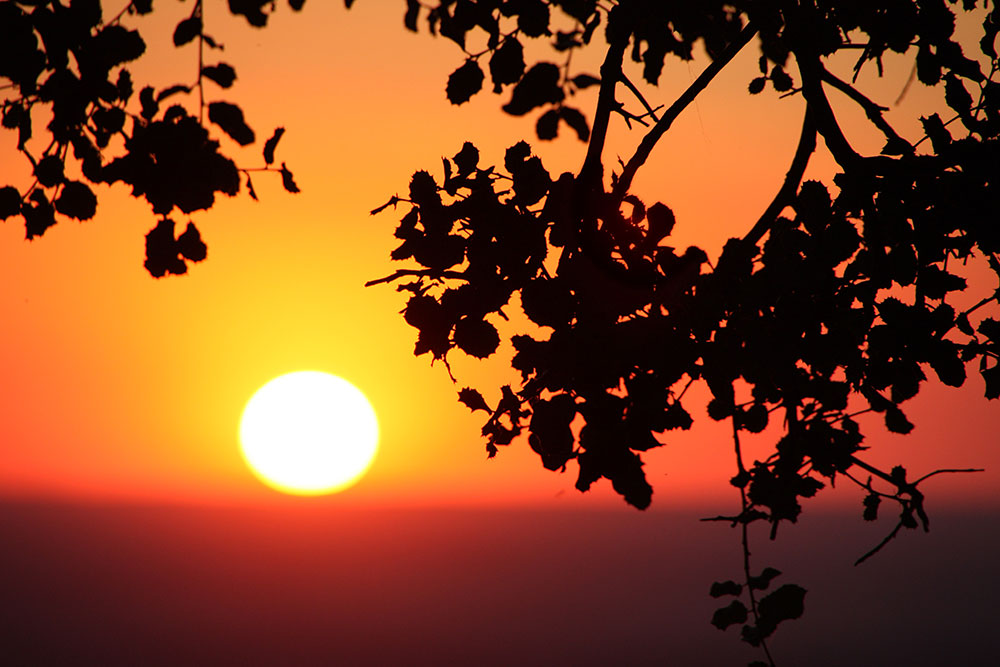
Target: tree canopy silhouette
<point>834,302</point>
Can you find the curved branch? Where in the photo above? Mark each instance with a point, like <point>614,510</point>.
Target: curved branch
<point>785,196</point>
<point>872,110</point>
<point>699,84</point>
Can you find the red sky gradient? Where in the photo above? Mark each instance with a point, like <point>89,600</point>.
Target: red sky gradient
<point>119,386</point>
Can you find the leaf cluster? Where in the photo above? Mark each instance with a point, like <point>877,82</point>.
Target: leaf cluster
<point>71,63</point>
<point>803,319</point>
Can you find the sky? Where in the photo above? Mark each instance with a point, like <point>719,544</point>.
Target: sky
<point>135,533</point>
<point>119,386</point>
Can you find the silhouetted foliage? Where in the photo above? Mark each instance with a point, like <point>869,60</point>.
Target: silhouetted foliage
<point>72,62</point>
<point>835,301</point>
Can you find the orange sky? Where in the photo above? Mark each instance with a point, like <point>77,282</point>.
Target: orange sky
<point>116,385</point>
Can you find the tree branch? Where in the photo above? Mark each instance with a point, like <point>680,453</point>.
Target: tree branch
<point>745,539</point>
<point>785,196</point>
<point>649,141</point>
<point>611,70</point>
<point>423,273</point>
<point>872,110</point>
<point>650,111</point>
<point>888,538</point>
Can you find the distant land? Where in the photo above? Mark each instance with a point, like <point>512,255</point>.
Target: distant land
<point>130,585</point>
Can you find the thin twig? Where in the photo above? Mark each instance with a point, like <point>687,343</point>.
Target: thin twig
<point>650,111</point>
<point>423,273</point>
<point>906,87</point>
<point>744,534</point>
<point>872,110</point>
<point>201,43</point>
<point>888,538</point>
<point>670,115</point>
<point>943,470</point>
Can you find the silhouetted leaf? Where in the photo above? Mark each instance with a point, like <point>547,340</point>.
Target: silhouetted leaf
<point>507,64</point>
<point>896,421</point>
<point>757,85</point>
<point>538,86</point>
<point>76,201</point>
<point>222,74</point>
<point>464,82</point>
<point>187,30</point>
<point>148,101</point>
<point>230,118</point>
<point>466,159</point>
<point>531,181</point>
<point>477,338</point>
<point>38,214</point>
<point>533,17</point>
<point>412,13</point>
<point>780,80</point>
<point>172,90</point>
<point>955,94</point>
<point>271,144</point>
<point>251,10</point>
<point>582,81</point>
<point>720,588</point>
<point>551,437</point>
<point>49,170</point>
<point>190,245</point>
<point>287,180</point>
<point>784,604</point>
<point>732,614</point>
<point>992,378</point>
<point>473,400</point>
<point>677,417</point>
<point>763,580</point>
<point>162,256</point>
<point>547,127</point>
<point>871,503</point>
<point>10,202</point>
<point>576,120</point>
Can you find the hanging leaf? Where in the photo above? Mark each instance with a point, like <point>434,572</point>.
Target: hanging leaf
<point>721,588</point>
<point>539,86</point>
<point>582,81</point>
<point>477,338</point>
<point>464,82</point>
<point>507,64</point>
<point>576,120</point>
<point>271,144</point>
<point>76,201</point>
<point>731,614</point>
<point>547,127</point>
<point>10,202</point>
<point>473,400</point>
<point>287,180</point>
<point>222,74</point>
<point>230,118</point>
<point>187,30</point>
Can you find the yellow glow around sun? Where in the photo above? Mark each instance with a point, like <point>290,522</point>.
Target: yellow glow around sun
<point>309,433</point>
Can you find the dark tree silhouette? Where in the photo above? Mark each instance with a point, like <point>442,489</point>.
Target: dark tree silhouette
<point>833,303</point>
<point>71,63</point>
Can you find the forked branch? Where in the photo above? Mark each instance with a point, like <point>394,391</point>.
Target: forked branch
<point>670,115</point>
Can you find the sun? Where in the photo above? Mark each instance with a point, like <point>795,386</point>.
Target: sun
<point>309,433</point>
